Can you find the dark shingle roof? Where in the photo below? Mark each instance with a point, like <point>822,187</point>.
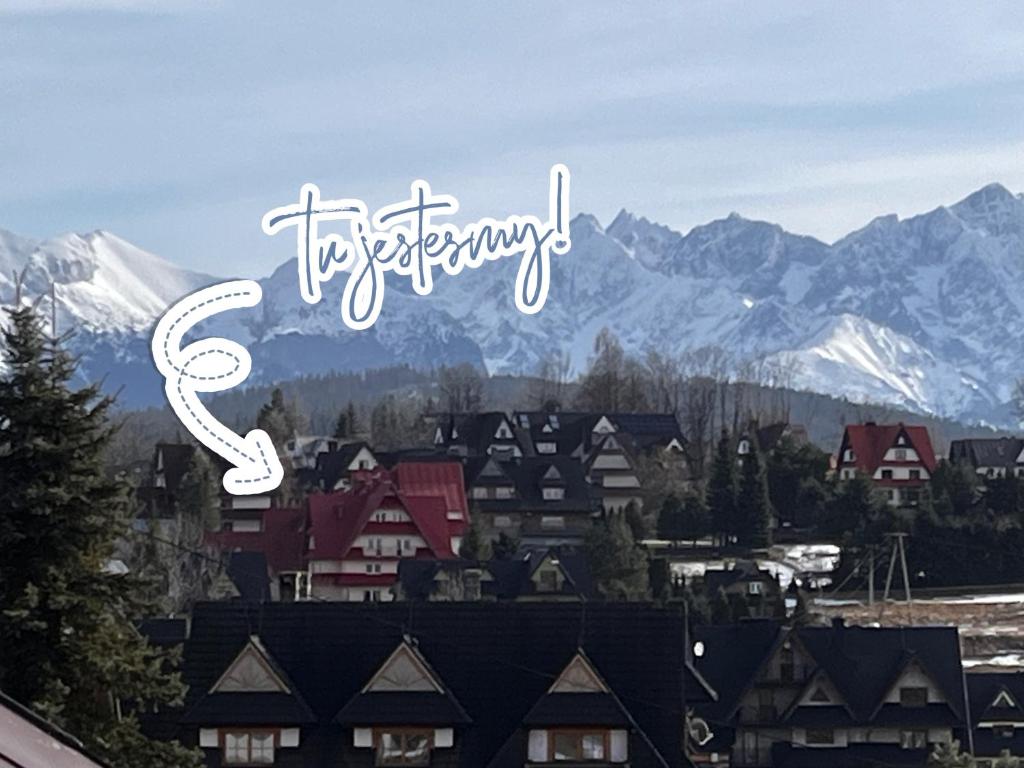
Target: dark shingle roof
<point>996,452</point>
<point>498,660</point>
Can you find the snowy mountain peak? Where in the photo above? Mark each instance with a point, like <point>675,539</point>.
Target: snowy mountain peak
<point>925,312</point>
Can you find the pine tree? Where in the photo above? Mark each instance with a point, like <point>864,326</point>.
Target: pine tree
<point>346,425</point>
<point>618,565</point>
<point>753,506</point>
<point>722,489</point>
<point>670,519</point>
<point>505,547</point>
<point>474,545</point>
<point>68,645</point>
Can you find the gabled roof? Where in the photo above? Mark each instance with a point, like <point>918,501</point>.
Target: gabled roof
<point>332,466</point>
<point>862,663</point>
<point>995,452</point>
<point>503,579</point>
<point>870,442</point>
<point>337,519</point>
<point>282,540</point>
<point>988,693</point>
<point>477,431</point>
<point>405,690</point>
<point>497,660</point>
<point>252,690</point>
<point>434,478</point>
<point>27,739</point>
<point>528,476</point>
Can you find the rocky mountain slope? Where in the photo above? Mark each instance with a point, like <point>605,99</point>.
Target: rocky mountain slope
<point>925,313</point>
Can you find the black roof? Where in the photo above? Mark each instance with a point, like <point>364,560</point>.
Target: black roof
<point>498,660</point>
<point>331,466</point>
<point>990,452</point>
<point>743,571</point>
<point>570,430</point>
<point>983,688</point>
<point>165,631</point>
<point>529,476</point>
<point>507,579</point>
<point>249,573</point>
<point>476,431</point>
<point>861,662</point>
<point>786,755</point>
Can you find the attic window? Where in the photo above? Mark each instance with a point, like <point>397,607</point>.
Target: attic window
<point>1003,700</point>
<point>524,420</point>
<point>554,494</point>
<point>744,447</point>
<point>900,454</point>
<point>553,421</point>
<point>849,455</point>
<point>913,697</point>
<point>546,447</point>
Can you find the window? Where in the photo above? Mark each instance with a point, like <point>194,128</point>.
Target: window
<point>887,474</point>
<point>849,455</point>
<point>820,736</point>
<point>1003,731</point>
<point>476,492</point>
<point>546,447</point>
<point>913,697</point>
<point>552,523</point>
<point>579,746</point>
<point>755,588</point>
<point>249,748</point>
<point>554,494</point>
<point>548,581</point>
<point>502,521</point>
<point>371,596</point>
<point>913,739</point>
<point>915,474</point>
<point>744,447</point>
<point>503,492</point>
<point>765,706</point>
<point>373,567</point>
<point>900,454</point>
<point>404,747</point>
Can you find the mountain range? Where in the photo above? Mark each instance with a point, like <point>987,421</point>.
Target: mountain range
<point>925,313</point>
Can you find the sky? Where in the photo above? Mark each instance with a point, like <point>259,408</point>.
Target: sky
<point>176,125</point>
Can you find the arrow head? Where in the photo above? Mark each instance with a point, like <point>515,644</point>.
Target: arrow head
<point>261,472</point>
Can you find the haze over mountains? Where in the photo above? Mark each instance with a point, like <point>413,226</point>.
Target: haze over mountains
<point>925,313</point>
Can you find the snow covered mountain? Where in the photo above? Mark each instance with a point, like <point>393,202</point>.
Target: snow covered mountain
<point>925,313</point>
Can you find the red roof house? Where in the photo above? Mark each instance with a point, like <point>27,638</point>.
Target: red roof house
<point>355,538</point>
<point>897,457</point>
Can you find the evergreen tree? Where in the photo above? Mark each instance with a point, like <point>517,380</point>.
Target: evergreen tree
<point>695,519</point>
<point>68,646</point>
<point>279,419</point>
<point>346,426</point>
<point>505,547</point>
<point>722,489</point>
<point>857,513</point>
<point>753,506</point>
<point>670,519</point>
<point>474,545</point>
<point>618,565</point>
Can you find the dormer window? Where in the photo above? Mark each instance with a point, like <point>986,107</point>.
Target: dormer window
<point>744,447</point>
<point>546,447</point>
<point>849,455</point>
<point>554,494</point>
<point>900,454</point>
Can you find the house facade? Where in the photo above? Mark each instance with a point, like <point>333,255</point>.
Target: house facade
<point>356,538</point>
<point>997,713</point>
<point>990,458</point>
<point>829,696</point>
<point>899,459</point>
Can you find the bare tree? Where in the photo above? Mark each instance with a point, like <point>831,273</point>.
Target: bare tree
<point>548,391</point>
<point>462,388</point>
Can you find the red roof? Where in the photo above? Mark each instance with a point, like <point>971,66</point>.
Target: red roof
<point>282,540</point>
<point>337,519</point>
<point>434,478</point>
<point>870,442</point>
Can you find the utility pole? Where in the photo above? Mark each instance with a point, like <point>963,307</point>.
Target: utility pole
<point>871,577</point>
<point>898,549</point>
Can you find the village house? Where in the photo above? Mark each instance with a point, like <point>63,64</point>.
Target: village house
<point>990,458</point>
<point>828,696</point>
<point>898,458</point>
<point>356,538</point>
<point>481,434</point>
<point>332,470</point>
<point>514,685</point>
<point>542,500</point>
<point>747,584</point>
<point>532,574</point>
<point>997,713</point>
